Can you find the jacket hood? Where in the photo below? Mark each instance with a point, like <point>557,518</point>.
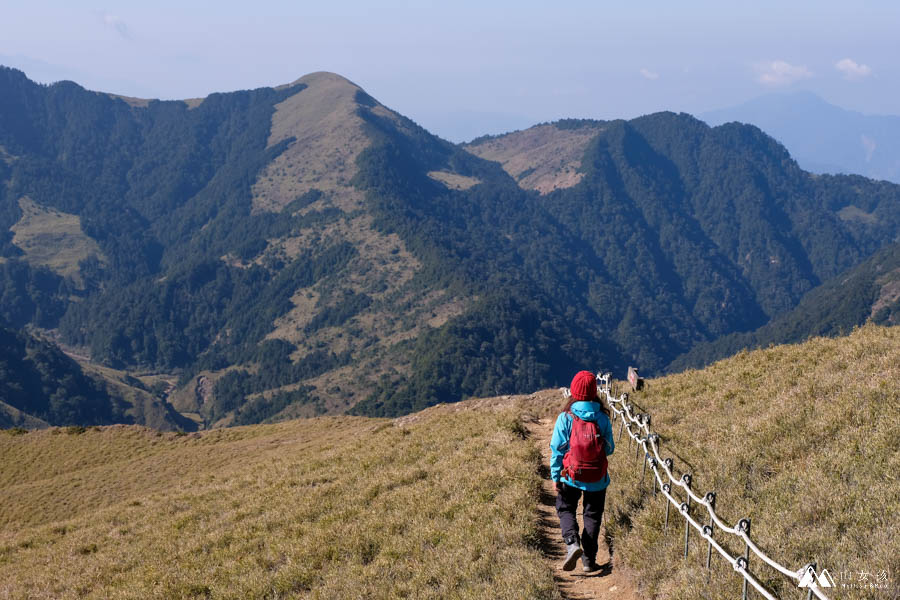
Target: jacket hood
<point>587,410</point>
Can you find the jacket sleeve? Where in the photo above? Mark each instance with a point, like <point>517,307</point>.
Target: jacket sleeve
<point>559,444</point>
<point>608,435</point>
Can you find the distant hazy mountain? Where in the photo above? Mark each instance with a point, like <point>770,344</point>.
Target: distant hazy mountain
<point>822,137</point>
<point>301,249</point>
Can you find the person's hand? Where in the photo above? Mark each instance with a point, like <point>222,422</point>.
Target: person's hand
<point>558,485</point>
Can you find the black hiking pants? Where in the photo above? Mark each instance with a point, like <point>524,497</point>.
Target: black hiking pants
<point>566,508</point>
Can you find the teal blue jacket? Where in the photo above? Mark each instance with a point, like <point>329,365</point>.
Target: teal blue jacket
<point>559,443</point>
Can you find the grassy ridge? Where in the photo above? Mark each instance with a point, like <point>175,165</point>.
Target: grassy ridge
<point>800,438</point>
<point>442,507</point>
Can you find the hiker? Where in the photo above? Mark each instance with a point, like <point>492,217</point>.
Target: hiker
<point>582,439</point>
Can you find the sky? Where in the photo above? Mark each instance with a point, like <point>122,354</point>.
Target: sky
<point>466,68</point>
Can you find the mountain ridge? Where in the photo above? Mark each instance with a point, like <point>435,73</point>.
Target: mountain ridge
<point>335,255</point>
<point>869,292</point>
<point>822,136</point>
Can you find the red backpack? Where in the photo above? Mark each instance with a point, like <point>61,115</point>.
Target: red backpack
<point>586,459</point>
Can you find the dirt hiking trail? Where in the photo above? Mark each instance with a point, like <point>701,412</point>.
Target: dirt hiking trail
<point>612,581</point>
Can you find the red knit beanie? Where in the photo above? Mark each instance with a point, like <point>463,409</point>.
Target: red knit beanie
<point>584,386</point>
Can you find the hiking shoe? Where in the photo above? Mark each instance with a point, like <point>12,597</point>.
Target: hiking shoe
<point>589,565</point>
<point>573,553</point>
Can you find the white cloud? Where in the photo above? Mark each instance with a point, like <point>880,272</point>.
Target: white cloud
<point>852,69</point>
<point>651,75</point>
<point>115,22</point>
<point>779,72</point>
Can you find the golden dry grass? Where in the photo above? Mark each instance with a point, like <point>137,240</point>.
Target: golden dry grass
<point>329,135</point>
<point>53,239</point>
<point>803,439</point>
<point>855,213</point>
<point>454,181</point>
<point>543,158</point>
<point>441,506</point>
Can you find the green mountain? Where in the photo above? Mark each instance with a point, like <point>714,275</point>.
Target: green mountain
<point>869,292</point>
<point>41,386</point>
<point>303,249</point>
<point>824,138</point>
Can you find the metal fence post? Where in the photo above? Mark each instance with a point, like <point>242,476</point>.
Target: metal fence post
<point>644,470</point>
<point>744,525</point>
<point>637,442</point>
<point>711,499</point>
<point>644,438</point>
<point>686,478</point>
<point>667,489</point>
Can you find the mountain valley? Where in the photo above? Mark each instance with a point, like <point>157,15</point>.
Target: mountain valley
<point>304,250</point>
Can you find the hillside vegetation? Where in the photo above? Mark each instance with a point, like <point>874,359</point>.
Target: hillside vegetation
<point>277,251</point>
<point>41,386</point>
<point>869,292</point>
<point>824,138</point>
<point>440,506</point>
<point>800,438</point>
<point>443,503</point>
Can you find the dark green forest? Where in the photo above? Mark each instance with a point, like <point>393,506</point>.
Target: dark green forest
<point>834,308</point>
<point>38,379</point>
<point>677,236</point>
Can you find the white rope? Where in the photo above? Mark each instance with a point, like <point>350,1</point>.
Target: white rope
<point>648,443</point>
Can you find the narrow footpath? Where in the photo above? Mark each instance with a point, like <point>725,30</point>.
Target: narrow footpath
<point>609,582</point>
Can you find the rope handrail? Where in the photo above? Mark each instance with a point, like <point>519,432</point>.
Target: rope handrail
<point>738,563</point>
<point>649,441</point>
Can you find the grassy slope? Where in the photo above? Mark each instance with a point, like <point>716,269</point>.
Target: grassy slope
<point>53,239</point>
<point>11,417</point>
<point>544,157</point>
<point>145,408</point>
<point>441,507</point>
<point>801,438</point>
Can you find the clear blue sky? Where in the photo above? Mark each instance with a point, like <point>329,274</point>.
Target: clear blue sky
<point>462,68</point>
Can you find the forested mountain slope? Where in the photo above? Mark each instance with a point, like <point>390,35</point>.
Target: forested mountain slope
<point>706,231</point>
<point>41,386</point>
<point>824,138</point>
<point>295,250</point>
<point>869,292</point>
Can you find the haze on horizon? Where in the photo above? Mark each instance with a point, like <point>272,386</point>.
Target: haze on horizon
<point>465,69</point>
